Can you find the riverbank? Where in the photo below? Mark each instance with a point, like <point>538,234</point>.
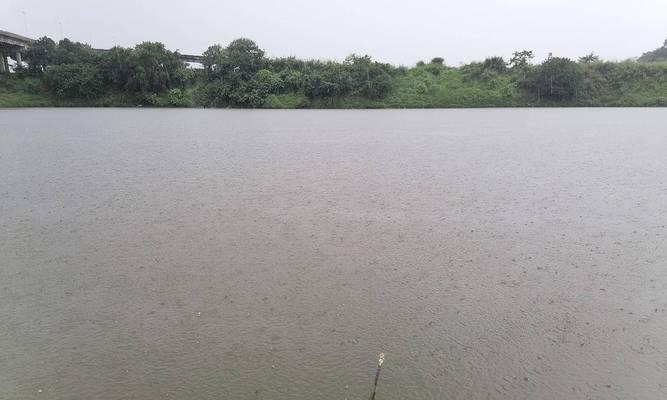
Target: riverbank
<point>417,88</point>
<point>240,75</point>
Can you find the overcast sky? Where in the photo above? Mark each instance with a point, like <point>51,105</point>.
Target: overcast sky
<point>400,32</point>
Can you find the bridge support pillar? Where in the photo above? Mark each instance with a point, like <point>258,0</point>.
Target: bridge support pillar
<point>3,63</point>
<point>18,58</point>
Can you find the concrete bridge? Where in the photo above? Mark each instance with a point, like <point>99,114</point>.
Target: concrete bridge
<point>191,58</point>
<point>12,45</point>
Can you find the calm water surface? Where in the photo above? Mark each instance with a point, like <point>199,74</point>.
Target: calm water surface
<point>217,254</point>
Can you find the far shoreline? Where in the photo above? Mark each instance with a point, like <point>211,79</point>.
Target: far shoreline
<point>497,107</point>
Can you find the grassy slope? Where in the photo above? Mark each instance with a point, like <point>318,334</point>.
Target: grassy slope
<point>640,91</point>
<point>22,93</point>
<point>417,88</point>
<point>30,92</point>
<point>421,88</point>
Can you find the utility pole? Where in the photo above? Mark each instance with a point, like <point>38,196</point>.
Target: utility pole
<point>368,79</point>
<point>25,22</point>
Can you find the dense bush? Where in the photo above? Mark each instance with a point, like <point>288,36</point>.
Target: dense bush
<point>74,80</point>
<point>154,69</point>
<point>72,69</point>
<point>556,78</point>
<point>240,75</point>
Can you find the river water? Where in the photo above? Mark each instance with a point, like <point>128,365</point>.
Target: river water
<point>236,254</point>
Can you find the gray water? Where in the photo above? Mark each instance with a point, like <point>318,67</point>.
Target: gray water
<point>219,254</point>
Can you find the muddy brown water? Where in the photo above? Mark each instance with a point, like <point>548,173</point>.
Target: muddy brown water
<point>222,254</point>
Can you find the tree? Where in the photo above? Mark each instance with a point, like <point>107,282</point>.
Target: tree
<point>329,80</point>
<point>317,86</point>
<point>154,69</point>
<point>233,75</point>
<point>438,60</point>
<point>589,58</point>
<point>555,78</point>
<point>74,80</point>
<point>496,64</point>
<point>214,94</point>
<point>380,86</point>
<point>367,78</point>
<point>69,52</point>
<point>520,64</point>
<point>116,67</point>
<point>521,59</point>
<point>292,80</point>
<point>243,57</point>
<point>263,83</point>
<point>213,60</point>
<point>40,55</point>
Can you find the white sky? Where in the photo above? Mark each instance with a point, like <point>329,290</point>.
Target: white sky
<point>400,32</point>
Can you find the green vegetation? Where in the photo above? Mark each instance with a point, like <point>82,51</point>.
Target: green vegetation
<point>240,75</point>
<point>659,54</point>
